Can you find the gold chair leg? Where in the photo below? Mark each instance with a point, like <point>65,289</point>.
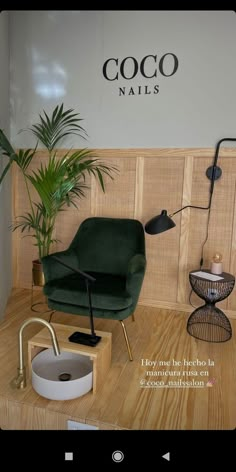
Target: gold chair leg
<point>133,318</point>
<point>126,340</point>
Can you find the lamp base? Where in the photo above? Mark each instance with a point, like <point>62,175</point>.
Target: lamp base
<point>213,172</point>
<point>84,338</point>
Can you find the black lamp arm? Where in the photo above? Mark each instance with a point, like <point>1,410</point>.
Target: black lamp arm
<point>218,148</point>
<point>88,279</point>
<point>78,271</point>
<point>87,282</point>
<point>213,173</point>
<point>192,206</point>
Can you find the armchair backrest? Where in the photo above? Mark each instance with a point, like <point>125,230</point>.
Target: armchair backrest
<point>107,244</point>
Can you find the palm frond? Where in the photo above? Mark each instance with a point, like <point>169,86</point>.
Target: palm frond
<point>52,129</point>
<point>5,145</point>
<point>59,181</point>
<point>22,158</point>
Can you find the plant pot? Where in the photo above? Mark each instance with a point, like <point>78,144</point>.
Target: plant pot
<point>38,275</point>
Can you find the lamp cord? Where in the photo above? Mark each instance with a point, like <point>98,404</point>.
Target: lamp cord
<point>200,207</point>
<point>202,258</point>
<point>206,238</point>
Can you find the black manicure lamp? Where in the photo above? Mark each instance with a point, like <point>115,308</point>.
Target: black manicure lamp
<point>79,337</point>
<point>163,222</point>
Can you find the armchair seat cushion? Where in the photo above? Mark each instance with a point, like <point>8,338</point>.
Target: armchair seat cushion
<point>108,292</point>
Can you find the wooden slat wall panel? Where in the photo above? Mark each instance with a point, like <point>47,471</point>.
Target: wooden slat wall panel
<point>69,221</point>
<point>162,189</point>
<point>184,234</point>
<point>119,197</point>
<point>148,181</point>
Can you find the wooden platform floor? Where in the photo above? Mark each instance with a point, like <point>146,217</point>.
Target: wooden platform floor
<point>149,393</point>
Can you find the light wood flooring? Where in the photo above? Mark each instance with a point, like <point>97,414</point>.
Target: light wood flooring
<point>133,397</point>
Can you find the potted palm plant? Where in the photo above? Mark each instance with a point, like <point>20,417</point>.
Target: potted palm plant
<point>58,182</point>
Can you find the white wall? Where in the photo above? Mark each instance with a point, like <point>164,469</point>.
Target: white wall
<point>5,189</point>
<point>58,56</point>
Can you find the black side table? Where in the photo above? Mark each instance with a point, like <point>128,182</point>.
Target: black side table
<point>208,322</point>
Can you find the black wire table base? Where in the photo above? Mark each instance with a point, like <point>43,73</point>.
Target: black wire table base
<point>209,323</point>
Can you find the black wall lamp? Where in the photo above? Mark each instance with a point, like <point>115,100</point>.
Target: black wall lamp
<point>163,222</point>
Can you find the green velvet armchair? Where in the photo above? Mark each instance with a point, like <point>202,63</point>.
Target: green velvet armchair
<point>112,250</point>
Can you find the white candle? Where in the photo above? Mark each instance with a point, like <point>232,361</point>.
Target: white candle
<point>216,265</point>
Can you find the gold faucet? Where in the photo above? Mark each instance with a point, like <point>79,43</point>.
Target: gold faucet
<point>20,380</point>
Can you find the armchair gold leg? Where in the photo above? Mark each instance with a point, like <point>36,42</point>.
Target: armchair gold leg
<point>133,318</point>
<point>126,340</point>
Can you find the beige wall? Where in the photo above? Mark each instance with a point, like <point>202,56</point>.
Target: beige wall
<point>5,188</point>
<point>150,180</point>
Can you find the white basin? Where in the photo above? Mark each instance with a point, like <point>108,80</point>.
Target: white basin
<point>62,377</point>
